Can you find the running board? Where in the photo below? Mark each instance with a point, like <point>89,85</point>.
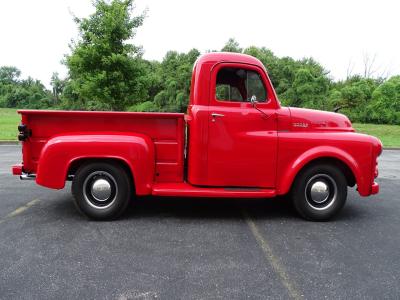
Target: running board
<point>31,176</point>
<point>187,190</point>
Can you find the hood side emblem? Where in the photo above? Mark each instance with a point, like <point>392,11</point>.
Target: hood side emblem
<point>300,124</point>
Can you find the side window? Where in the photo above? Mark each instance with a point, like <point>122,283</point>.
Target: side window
<point>255,87</point>
<point>239,85</point>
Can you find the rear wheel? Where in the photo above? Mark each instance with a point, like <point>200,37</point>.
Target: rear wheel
<point>319,192</point>
<point>101,190</point>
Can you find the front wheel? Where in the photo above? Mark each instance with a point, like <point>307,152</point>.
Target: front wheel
<point>101,190</point>
<point>319,192</point>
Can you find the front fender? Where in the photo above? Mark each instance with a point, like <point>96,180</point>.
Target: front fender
<point>288,175</point>
<point>135,150</point>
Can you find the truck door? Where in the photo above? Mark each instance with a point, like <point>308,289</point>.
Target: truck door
<point>242,141</point>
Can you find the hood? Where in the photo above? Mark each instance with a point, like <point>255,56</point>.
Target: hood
<point>310,119</point>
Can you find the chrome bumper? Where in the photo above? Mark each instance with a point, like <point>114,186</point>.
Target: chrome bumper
<point>26,176</point>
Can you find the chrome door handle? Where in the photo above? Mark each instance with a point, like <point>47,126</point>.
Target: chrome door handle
<point>214,115</point>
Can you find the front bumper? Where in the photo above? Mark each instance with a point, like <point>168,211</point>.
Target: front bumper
<point>374,188</point>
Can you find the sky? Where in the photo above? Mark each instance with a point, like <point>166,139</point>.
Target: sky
<point>340,34</point>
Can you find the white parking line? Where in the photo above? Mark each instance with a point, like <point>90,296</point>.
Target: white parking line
<point>19,210</point>
<point>273,261</point>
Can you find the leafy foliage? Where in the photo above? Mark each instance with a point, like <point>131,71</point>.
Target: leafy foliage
<point>384,106</point>
<point>353,96</point>
<point>231,46</point>
<point>15,92</point>
<point>104,69</point>
<point>298,83</point>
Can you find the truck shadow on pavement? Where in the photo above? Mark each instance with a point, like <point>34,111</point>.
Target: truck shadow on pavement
<point>205,208</point>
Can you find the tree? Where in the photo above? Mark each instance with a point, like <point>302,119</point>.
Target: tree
<point>352,96</point>
<point>9,75</point>
<point>369,65</point>
<point>232,46</point>
<point>172,81</point>
<point>21,93</point>
<point>271,62</point>
<point>57,85</point>
<point>303,83</point>
<point>104,67</point>
<point>385,103</point>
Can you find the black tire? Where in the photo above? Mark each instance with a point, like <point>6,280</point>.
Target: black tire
<point>102,190</point>
<point>319,192</point>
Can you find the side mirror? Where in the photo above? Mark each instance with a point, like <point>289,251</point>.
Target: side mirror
<point>253,100</point>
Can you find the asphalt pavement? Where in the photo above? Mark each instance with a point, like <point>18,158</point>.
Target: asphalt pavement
<point>166,248</point>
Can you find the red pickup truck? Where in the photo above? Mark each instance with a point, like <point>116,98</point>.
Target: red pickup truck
<point>236,140</point>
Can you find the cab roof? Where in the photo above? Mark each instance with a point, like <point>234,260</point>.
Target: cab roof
<point>218,57</point>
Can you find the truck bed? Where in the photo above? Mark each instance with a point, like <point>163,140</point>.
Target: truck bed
<point>166,130</point>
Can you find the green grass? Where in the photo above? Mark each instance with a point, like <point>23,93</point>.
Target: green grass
<point>9,120</point>
<point>388,134</point>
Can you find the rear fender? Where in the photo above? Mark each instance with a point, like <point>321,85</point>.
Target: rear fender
<point>135,150</point>
<point>287,176</point>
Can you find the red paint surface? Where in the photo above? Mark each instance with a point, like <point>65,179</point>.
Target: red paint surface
<point>17,169</point>
<point>244,153</point>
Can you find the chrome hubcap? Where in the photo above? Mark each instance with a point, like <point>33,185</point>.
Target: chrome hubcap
<point>321,191</point>
<point>101,189</point>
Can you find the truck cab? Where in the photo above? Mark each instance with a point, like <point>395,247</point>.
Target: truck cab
<point>236,140</point>
<point>234,144</point>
